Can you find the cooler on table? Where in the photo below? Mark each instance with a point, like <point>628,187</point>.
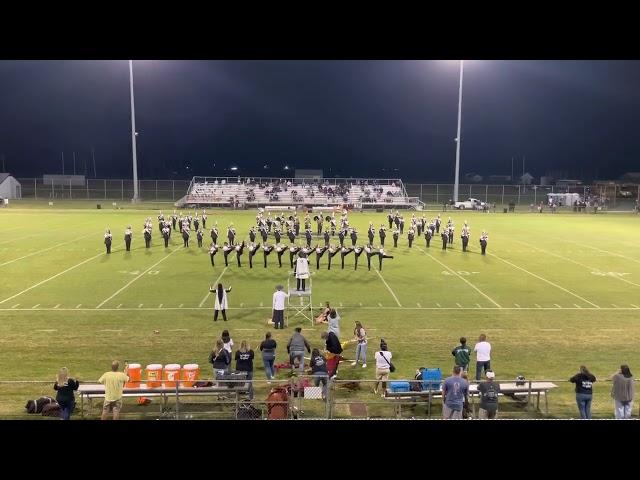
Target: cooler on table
<point>431,379</point>
<point>171,375</point>
<point>396,387</point>
<point>190,373</point>
<point>154,375</point>
<point>134,371</point>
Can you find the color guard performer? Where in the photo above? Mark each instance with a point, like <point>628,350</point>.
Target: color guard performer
<point>253,249</point>
<point>107,240</point>
<point>411,236</point>
<point>465,236</point>
<point>344,251</point>
<point>266,250</point>
<point>239,250</point>
<point>128,235</point>
<point>213,249</point>
<point>226,250</point>
<point>483,241</point>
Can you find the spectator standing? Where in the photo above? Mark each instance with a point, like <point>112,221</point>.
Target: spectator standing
<point>489,391</point>
<point>65,387</point>
<point>383,367</point>
<point>278,307</point>
<point>220,359</point>
<point>319,371</point>
<point>268,349</point>
<point>296,347</point>
<point>113,382</point>
<point>584,391</point>
<point>623,391</point>
<point>334,322</point>
<point>334,349</point>
<point>227,342</point>
<point>454,390</point>
<point>462,354</point>
<point>361,346</point>
<point>483,351</point>
<point>244,363</point>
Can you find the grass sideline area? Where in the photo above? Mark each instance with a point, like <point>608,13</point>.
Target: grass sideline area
<point>554,292</point>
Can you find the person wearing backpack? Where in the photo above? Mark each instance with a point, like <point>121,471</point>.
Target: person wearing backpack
<point>65,387</point>
<point>462,355</point>
<point>383,367</point>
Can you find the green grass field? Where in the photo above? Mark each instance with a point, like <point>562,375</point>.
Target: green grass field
<point>554,292</point>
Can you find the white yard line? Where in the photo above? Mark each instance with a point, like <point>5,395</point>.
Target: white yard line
<point>57,306</point>
<point>544,280</point>
<point>389,288</point>
<point>52,277</point>
<point>78,305</point>
<point>635,306</point>
<point>214,284</point>
<point>462,278</point>
<point>136,278</point>
<point>603,251</point>
<point>15,305</point>
<point>45,250</point>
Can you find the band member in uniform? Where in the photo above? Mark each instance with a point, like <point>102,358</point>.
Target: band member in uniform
<point>231,234</point>
<point>185,236</point>
<point>263,233</point>
<point>214,234</point>
<point>147,237</point>
<point>326,238</point>
<point>465,236</point>
<point>370,252</point>
<point>239,250</point>
<point>292,236</point>
<point>357,251</point>
<point>344,251</point>
<point>280,249</point>
<point>252,234</point>
<point>438,221</point>
<point>107,240</point>
<point>160,221</point>
<point>319,221</point>
<point>382,254</point>
<point>266,250</point>
<point>354,237</point>
<point>128,234</point>
<point>166,233</point>
<point>269,222</point>
<point>450,231</point>
<point>307,222</point>
<point>307,235</point>
<point>196,223</point>
<point>341,237</point>
<point>396,219</point>
<point>383,234</point>
<point>371,233</point>
<point>293,251</point>
<point>174,217</point>
<point>296,225</point>
<point>445,238</point>
<point>204,220</point>
<point>199,237</point>
<point>432,227</point>
<point>411,236</point>
<point>401,225</point>
<point>213,249</point>
<point>221,304</point>
<point>428,234</point>
<point>396,234</point>
<point>302,271</point>
<point>332,222</point>
<point>390,219</point>
<point>226,250</point>
<point>483,241</point>
<point>253,249</point>
<point>319,252</point>
<point>332,252</point>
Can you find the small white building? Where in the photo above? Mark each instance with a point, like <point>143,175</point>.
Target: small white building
<point>9,186</point>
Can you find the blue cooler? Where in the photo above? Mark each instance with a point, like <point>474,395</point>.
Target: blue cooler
<point>395,387</point>
<point>431,379</point>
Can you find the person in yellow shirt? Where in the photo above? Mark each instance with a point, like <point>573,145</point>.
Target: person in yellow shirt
<point>113,382</point>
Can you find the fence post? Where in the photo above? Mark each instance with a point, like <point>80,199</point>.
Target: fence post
<point>518,194</point>
<point>421,197</point>
<point>173,190</point>
<point>35,188</point>
<point>156,190</point>
<point>469,190</point>
<point>70,189</point>
<point>86,180</point>
<point>122,188</point>
<point>437,201</point>
<point>105,188</point>
<point>486,193</point>
<point>503,195</point>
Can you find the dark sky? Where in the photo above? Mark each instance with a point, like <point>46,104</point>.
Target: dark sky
<point>347,117</point>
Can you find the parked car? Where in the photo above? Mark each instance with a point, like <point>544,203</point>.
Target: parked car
<point>469,204</point>
<point>625,193</point>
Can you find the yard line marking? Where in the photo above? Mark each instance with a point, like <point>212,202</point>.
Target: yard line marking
<point>478,305</point>
<point>438,305</point>
<point>119,305</point>
<point>47,330</point>
<point>180,306</point>
<point>108,330</point>
<point>15,305</point>
<point>544,280</point>
<point>614,305</point>
<point>419,305</point>
<point>611,329</point>
<point>214,283</point>
<point>389,288</point>
<point>140,306</point>
<point>136,278</point>
<point>462,278</point>
<point>57,306</point>
<point>582,264</point>
<point>576,305</point>
<point>51,278</point>
<point>78,305</point>
<point>604,251</point>
<point>18,238</point>
<point>246,329</point>
<point>181,330</point>
<point>634,306</point>
<point>36,305</point>
<point>557,305</point>
<point>160,306</point>
<point>517,305</point>
<point>45,250</point>
<point>538,306</point>
<point>459,305</point>
<point>379,304</point>
<point>551,329</point>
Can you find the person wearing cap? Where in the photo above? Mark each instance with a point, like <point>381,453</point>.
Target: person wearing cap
<point>489,391</point>
<point>278,307</point>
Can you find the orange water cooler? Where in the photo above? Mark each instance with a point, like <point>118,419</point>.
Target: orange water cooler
<point>134,371</point>
<point>154,375</point>
<point>171,375</point>
<point>190,373</point>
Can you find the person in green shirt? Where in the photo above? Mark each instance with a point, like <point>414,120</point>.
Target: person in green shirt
<point>113,382</point>
<point>462,354</point>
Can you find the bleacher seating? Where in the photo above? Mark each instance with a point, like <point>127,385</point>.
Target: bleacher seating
<point>248,192</point>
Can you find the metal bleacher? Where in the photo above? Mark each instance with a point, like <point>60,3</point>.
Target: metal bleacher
<point>238,192</point>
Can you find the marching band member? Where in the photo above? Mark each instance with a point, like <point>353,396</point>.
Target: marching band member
<point>204,220</point>
<point>381,255</point>
<point>196,223</point>
<point>198,237</point>
<point>239,250</point>
<point>428,234</point>
<point>293,251</point>
<point>266,250</point>
<point>465,236</point>
<point>332,252</point>
<point>307,250</point>
<point>396,219</point>
<point>226,250</point>
<point>319,220</point>
<point>214,234</point>
<point>292,236</point>
<point>189,220</point>
<point>354,237</point>
<point>180,220</point>
<point>438,224</point>
<point>280,249</point>
<point>371,232</point>
<point>411,236</point>
<point>445,238</point>
<point>332,222</point>
<point>147,237</point>
<point>432,227</point>
<point>263,233</point>
<point>253,249</point>
<point>319,252</point>
<point>383,233</point>
<point>450,231</point>
<point>128,234</point>
<point>396,234</point>
<point>307,235</point>
<point>174,218</point>
<point>307,222</point>
<point>341,234</point>
<point>269,222</point>
<point>231,234</point>
<point>221,304</point>
<point>326,238</point>
<point>166,232</point>
<point>185,236</point>
<point>296,225</point>
<point>107,240</point>
<point>252,234</point>
<point>401,225</point>
<point>483,241</point>
<point>344,251</point>
<point>213,249</point>
<point>302,271</point>
<point>390,220</point>
<point>370,253</point>
<point>357,251</point>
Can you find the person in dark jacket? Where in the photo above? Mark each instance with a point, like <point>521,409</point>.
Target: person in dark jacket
<point>462,354</point>
<point>296,347</point>
<point>584,391</point>
<point>244,363</point>
<point>220,359</point>
<point>319,371</point>
<point>334,349</point>
<point>65,387</point>
<point>268,349</point>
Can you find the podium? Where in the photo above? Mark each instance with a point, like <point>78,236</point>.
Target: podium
<point>299,302</point>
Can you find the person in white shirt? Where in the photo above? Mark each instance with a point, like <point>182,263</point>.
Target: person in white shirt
<point>361,347</point>
<point>383,366</point>
<point>483,360</point>
<point>278,307</point>
<point>302,271</point>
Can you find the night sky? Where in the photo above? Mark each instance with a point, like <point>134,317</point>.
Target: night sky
<point>350,118</point>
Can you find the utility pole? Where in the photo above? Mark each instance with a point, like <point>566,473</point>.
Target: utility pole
<point>74,163</point>
<point>63,163</point>
<point>512,169</point>
<point>93,155</point>
<point>136,196</point>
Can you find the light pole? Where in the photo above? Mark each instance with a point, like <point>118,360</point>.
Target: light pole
<point>136,195</point>
<point>457,179</point>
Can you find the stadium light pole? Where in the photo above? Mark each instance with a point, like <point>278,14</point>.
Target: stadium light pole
<point>136,194</point>
<point>456,182</point>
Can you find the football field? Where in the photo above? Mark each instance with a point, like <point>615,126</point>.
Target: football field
<point>555,291</point>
